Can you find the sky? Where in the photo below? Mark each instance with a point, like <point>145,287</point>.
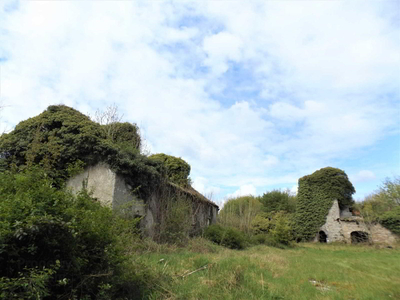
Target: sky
<point>252,94</point>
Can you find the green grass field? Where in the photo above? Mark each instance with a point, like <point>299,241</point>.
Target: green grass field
<point>308,271</point>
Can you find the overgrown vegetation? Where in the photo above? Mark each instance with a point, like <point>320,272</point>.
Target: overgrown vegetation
<point>177,222</point>
<point>255,220</point>
<point>61,136</point>
<point>226,236</point>
<point>383,206</point>
<point>177,170</point>
<point>239,213</point>
<point>306,272</point>
<point>315,197</point>
<point>54,245</point>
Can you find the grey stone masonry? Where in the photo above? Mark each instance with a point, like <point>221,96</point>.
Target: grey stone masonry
<point>340,224</point>
<point>332,226</point>
<point>111,190</point>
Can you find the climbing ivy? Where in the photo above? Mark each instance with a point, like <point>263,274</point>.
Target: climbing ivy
<point>62,136</point>
<point>315,197</point>
<point>177,170</point>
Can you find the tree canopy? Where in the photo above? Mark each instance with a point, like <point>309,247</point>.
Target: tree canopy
<point>277,200</point>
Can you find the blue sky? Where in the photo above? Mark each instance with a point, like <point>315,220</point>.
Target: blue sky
<point>253,94</point>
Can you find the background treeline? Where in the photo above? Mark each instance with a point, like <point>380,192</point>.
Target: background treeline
<point>279,218</point>
<point>250,220</point>
<point>383,206</point>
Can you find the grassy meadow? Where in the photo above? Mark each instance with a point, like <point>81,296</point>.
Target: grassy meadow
<point>308,271</point>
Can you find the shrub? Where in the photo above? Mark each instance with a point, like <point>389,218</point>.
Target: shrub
<point>226,236</point>
<point>282,231</point>
<point>272,229</point>
<point>54,244</point>
<point>262,223</point>
<point>391,220</point>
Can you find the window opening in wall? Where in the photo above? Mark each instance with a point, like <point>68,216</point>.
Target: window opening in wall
<point>322,237</point>
<point>359,237</point>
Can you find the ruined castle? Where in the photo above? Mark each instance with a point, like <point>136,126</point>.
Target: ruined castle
<point>342,226</point>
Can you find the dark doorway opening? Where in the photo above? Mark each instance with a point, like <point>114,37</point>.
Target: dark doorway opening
<point>359,237</point>
<point>322,236</point>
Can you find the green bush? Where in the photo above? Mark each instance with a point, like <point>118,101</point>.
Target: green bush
<point>53,244</point>
<point>262,223</point>
<point>226,236</point>
<point>391,220</point>
<point>272,229</point>
<point>282,231</point>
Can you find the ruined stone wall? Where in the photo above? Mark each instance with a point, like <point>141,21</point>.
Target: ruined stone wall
<point>348,226</point>
<point>380,234</point>
<point>332,226</point>
<point>98,179</point>
<point>111,190</point>
<point>339,225</point>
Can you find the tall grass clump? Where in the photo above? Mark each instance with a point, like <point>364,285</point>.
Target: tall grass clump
<point>176,223</point>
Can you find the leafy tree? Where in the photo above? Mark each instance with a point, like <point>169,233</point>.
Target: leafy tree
<point>315,197</point>
<point>277,200</point>
<point>383,205</point>
<point>390,190</point>
<point>239,213</point>
<point>391,220</point>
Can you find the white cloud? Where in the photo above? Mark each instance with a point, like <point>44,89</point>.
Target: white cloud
<point>294,189</point>
<point>203,186</point>
<point>221,48</point>
<point>244,190</point>
<point>321,78</point>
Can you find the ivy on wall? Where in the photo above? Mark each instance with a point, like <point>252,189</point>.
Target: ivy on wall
<point>315,197</point>
<point>177,170</point>
<point>62,136</point>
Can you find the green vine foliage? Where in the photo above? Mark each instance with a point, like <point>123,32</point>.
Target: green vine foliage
<point>391,220</point>
<point>177,170</point>
<point>315,197</point>
<point>62,136</point>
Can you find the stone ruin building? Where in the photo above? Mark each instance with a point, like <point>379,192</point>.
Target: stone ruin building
<point>111,189</point>
<point>342,226</point>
